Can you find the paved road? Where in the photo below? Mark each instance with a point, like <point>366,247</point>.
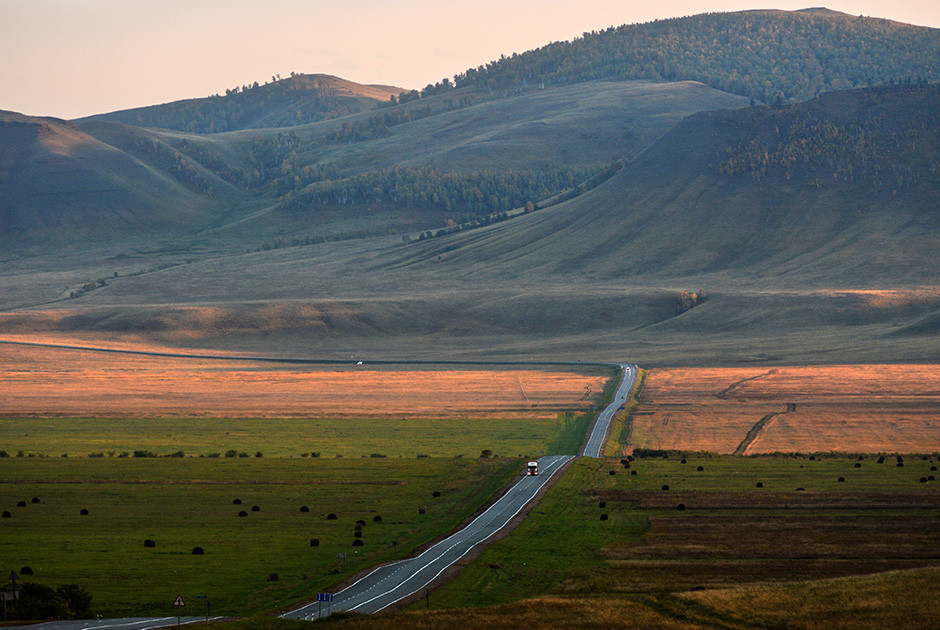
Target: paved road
<point>595,442</point>
<point>393,582</point>
<point>127,623</point>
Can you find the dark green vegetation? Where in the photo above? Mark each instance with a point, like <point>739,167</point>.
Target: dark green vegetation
<point>183,503</point>
<point>328,437</point>
<point>767,55</point>
<point>671,528</point>
<point>296,100</point>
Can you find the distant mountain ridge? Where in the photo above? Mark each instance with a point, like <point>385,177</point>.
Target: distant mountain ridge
<point>296,100</point>
<point>764,54</point>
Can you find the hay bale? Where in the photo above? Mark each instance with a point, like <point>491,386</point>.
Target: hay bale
<point>273,577</point>
<point>26,571</point>
<point>35,500</point>
<point>841,479</point>
<point>357,533</point>
<point>304,509</point>
<point>633,472</point>
<point>602,504</point>
<point>604,517</point>
<point>759,484</point>
<point>5,514</point>
<point>376,519</point>
<point>357,542</point>
<point>613,472</point>
<point>680,507</point>
<point>665,487</point>
<point>314,542</point>
<point>420,510</point>
<point>198,551</point>
<point>435,494</point>
<point>242,513</point>
<point>148,543</point>
<point>237,502</point>
<point>331,516</point>
<point>21,504</point>
<point>700,469</point>
<point>83,512</point>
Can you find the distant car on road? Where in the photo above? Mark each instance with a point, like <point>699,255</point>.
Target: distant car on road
<point>532,468</point>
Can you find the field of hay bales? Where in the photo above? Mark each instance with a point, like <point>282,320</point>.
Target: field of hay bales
<point>848,408</point>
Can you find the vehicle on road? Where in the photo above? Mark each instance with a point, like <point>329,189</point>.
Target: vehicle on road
<point>532,468</point>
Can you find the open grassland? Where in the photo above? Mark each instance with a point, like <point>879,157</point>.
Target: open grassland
<point>47,381</point>
<point>850,409</point>
<point>184,503</point>
<point>671,528</point>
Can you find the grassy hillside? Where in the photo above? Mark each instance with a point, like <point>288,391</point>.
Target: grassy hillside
<point>299,99</point>
<point>766,55</point>
<point>59,184</point>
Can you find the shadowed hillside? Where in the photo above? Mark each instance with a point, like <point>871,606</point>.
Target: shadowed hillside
<point>841,189</point>
<point>59,184</point>
<point>299,99</point>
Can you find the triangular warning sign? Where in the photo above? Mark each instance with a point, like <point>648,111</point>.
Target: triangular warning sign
<point>179,601</point>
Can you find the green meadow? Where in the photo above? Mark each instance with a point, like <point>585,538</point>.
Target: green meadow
<point>183,503</point>
<point>330,437</point>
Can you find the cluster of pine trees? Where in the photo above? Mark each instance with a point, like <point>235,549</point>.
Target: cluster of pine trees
<point>459,194</point>
<point>887,137</point>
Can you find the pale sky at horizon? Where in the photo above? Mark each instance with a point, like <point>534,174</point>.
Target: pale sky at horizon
<point>73,58</point>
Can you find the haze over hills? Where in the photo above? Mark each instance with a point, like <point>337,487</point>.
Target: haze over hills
<point>812,227</point>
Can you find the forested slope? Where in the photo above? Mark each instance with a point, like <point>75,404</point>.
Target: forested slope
<point>766,55</point>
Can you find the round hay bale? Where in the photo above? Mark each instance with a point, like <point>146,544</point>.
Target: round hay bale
<point>331,516</point>
<point>242,513</point>
<point>357,533</point>
<point>148,543</point>
<point>314,542</point>
<point>881,460</point>
<point>420,510</point>
<point>357,543</point>
<point>435,494</point>
<point>358,527</point>
<point>613,472</point>
<point>933,469</point>
<point>857,465</point>
<point>604,517</point>
<point>602,504</point>
<point>21,504</point>
<point>5,514</point>
<point>255,508</point>
<point>83,512</point>
<point>900,465</point>
<point>304,509</point>
<point>759,484</point>
<point>682,461</point>
<point>237,502</point>
<point>923,480</point>
<point>633,472</point>
<point>801,489</point>
<point>700,468</point>
<point>680,507</point>
<point>198,551</point>
<point>841,479</point>
<point>665,487</point>
<point>360,522</point>
<point>26,571</point>
<point>376,519</point>
<point>273,577</point>
<point>35,500</point>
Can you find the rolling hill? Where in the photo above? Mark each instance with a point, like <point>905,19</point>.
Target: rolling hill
<point>812,227</point>
<point>298,99</point>
<point>60,185</point>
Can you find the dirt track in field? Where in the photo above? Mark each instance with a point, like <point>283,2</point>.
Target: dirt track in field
<point>853,408</point>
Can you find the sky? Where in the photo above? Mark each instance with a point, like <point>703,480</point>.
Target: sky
<point>73,58</point>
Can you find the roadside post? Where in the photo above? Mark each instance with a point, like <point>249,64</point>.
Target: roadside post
<point>205,597</point>
<point>179,603</point>
<point>324,597</point>
<point>10,596</point>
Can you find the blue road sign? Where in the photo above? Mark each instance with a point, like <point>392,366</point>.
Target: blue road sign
<point>324,597</point>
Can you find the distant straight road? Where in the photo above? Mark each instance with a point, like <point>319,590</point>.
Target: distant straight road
<point>393,582</point>
<point>595,442</point>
